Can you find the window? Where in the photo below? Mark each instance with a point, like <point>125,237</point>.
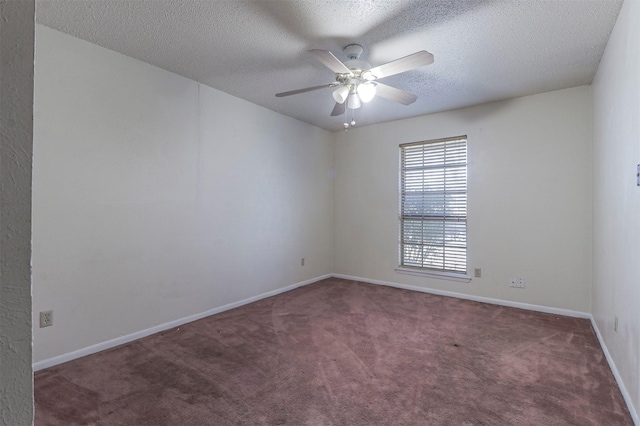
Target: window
<point>433,205</point>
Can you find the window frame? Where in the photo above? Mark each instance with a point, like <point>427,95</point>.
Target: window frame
<point>451,212</point>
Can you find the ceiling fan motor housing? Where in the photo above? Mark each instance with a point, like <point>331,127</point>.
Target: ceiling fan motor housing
<point>353,52</point>
<point>357,64</point>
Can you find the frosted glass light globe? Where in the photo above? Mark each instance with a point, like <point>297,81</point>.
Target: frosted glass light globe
<point>353,102</point>
<point>366,91</point>
<point>340,94</point>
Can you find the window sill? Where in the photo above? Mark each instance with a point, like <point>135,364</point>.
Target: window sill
<point>449,276</point>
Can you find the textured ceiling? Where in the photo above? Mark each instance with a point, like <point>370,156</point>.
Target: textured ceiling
<point>484,50</point>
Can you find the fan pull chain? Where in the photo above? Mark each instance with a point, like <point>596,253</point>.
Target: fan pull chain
<point>353,119</point>
<point>346,125</point>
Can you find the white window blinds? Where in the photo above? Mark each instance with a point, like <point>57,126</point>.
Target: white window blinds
<point>433,204</point>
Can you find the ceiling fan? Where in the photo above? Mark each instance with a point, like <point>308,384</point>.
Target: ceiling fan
<point>356,82</point>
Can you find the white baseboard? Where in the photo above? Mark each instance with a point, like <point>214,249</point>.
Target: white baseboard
<point>508,303</point>
<point>50,362</point>
<point>616,374</point>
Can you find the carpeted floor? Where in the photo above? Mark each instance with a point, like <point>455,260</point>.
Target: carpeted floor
<point>340,352</point>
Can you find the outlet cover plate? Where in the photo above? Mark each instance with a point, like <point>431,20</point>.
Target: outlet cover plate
<point>516,282</point>
<point>46,319</point>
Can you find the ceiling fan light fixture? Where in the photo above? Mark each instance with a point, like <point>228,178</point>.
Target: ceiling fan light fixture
<point>366,91</point>
<point>353,101</point>
<point>340,94</point>
<point>367,76</point>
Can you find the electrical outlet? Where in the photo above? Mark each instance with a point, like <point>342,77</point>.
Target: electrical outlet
<point>477,273</point>
<point>302,262</point>
<point>516,282</point>
<point>46,319</point>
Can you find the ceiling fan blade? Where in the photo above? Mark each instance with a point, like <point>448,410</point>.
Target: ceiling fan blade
<point>396,95</point>
<point>306,89</point>
<point>330,61</point>
<point>415,60</point>
<point>338,109</point>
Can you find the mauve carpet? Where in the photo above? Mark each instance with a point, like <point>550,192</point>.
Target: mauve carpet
<point>340,352</point>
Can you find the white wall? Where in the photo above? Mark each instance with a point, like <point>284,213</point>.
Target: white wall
<point>529,184</point>
<point>156,198</point>
<point>616,204</point>
<point>16,135</point>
